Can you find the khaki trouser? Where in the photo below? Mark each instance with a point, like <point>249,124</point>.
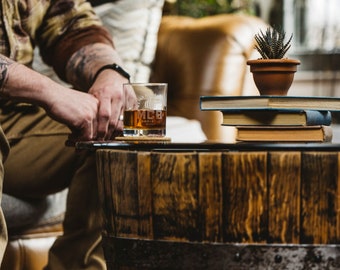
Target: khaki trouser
<point>40,164</point>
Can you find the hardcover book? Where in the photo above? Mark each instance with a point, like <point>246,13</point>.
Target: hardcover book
<point>318,133</point>
<point>269,102</point>
<point>276,117</point>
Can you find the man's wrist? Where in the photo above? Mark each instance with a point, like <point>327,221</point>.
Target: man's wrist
<point>114,67</point>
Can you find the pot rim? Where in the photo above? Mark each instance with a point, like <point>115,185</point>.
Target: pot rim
<point>274,61</point>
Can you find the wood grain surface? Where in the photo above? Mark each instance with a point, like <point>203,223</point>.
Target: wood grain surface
<point>221,197</point>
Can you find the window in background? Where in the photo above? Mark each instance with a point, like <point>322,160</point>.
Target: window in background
<point>316,43</point>
<point>316,24</point>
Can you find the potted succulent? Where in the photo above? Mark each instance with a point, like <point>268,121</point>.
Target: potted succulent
<point>273,74</point>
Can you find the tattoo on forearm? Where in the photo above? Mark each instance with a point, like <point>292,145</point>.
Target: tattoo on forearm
<point>80,72</point>
<point>77,65</point>
<point>4,64</point>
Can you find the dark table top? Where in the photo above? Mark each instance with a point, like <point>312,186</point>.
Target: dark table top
<point>206,146</point>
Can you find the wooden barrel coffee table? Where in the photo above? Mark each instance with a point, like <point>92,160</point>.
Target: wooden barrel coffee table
<point>221,207</point>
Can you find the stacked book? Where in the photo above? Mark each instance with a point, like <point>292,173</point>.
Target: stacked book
<point>276,118</point>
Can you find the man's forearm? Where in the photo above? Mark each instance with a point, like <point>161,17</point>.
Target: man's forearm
<point>83,65</point>
<point>21,83</point>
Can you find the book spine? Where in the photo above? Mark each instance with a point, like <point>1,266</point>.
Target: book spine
<point>270,117</point>
<point>314,118</point>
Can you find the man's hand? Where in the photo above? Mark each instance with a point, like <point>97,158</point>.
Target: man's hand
<point>108,89</point>
<point>78,111</point>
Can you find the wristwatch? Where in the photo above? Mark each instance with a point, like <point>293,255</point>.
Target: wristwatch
<point>114,67</point>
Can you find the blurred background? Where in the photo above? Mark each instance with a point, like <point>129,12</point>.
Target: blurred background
<point>315,25</point>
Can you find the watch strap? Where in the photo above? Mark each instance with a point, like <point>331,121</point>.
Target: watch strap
<point>114,67</point>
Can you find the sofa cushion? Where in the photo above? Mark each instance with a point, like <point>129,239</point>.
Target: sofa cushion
<point>134,26</point>
<point>22,214</point>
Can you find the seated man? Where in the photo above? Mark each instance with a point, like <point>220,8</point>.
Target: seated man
<point>38,115</point>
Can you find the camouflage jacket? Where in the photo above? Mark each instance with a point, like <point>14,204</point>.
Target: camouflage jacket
<point>57,27</point>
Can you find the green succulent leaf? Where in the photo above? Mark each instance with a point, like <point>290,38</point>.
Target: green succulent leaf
<point>271,43</point>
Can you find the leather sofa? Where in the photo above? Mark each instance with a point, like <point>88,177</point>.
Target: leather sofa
<point>205,56</point>
<point>32,226</point>
<point>195,57</point>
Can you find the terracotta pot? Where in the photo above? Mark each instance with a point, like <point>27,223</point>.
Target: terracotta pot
<point>273,76</point>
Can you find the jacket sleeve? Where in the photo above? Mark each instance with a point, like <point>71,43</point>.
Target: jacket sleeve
<point>68,26</point>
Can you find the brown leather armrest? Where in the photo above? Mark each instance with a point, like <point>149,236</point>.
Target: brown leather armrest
<point>29,251</point>
<point>205,56</point>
